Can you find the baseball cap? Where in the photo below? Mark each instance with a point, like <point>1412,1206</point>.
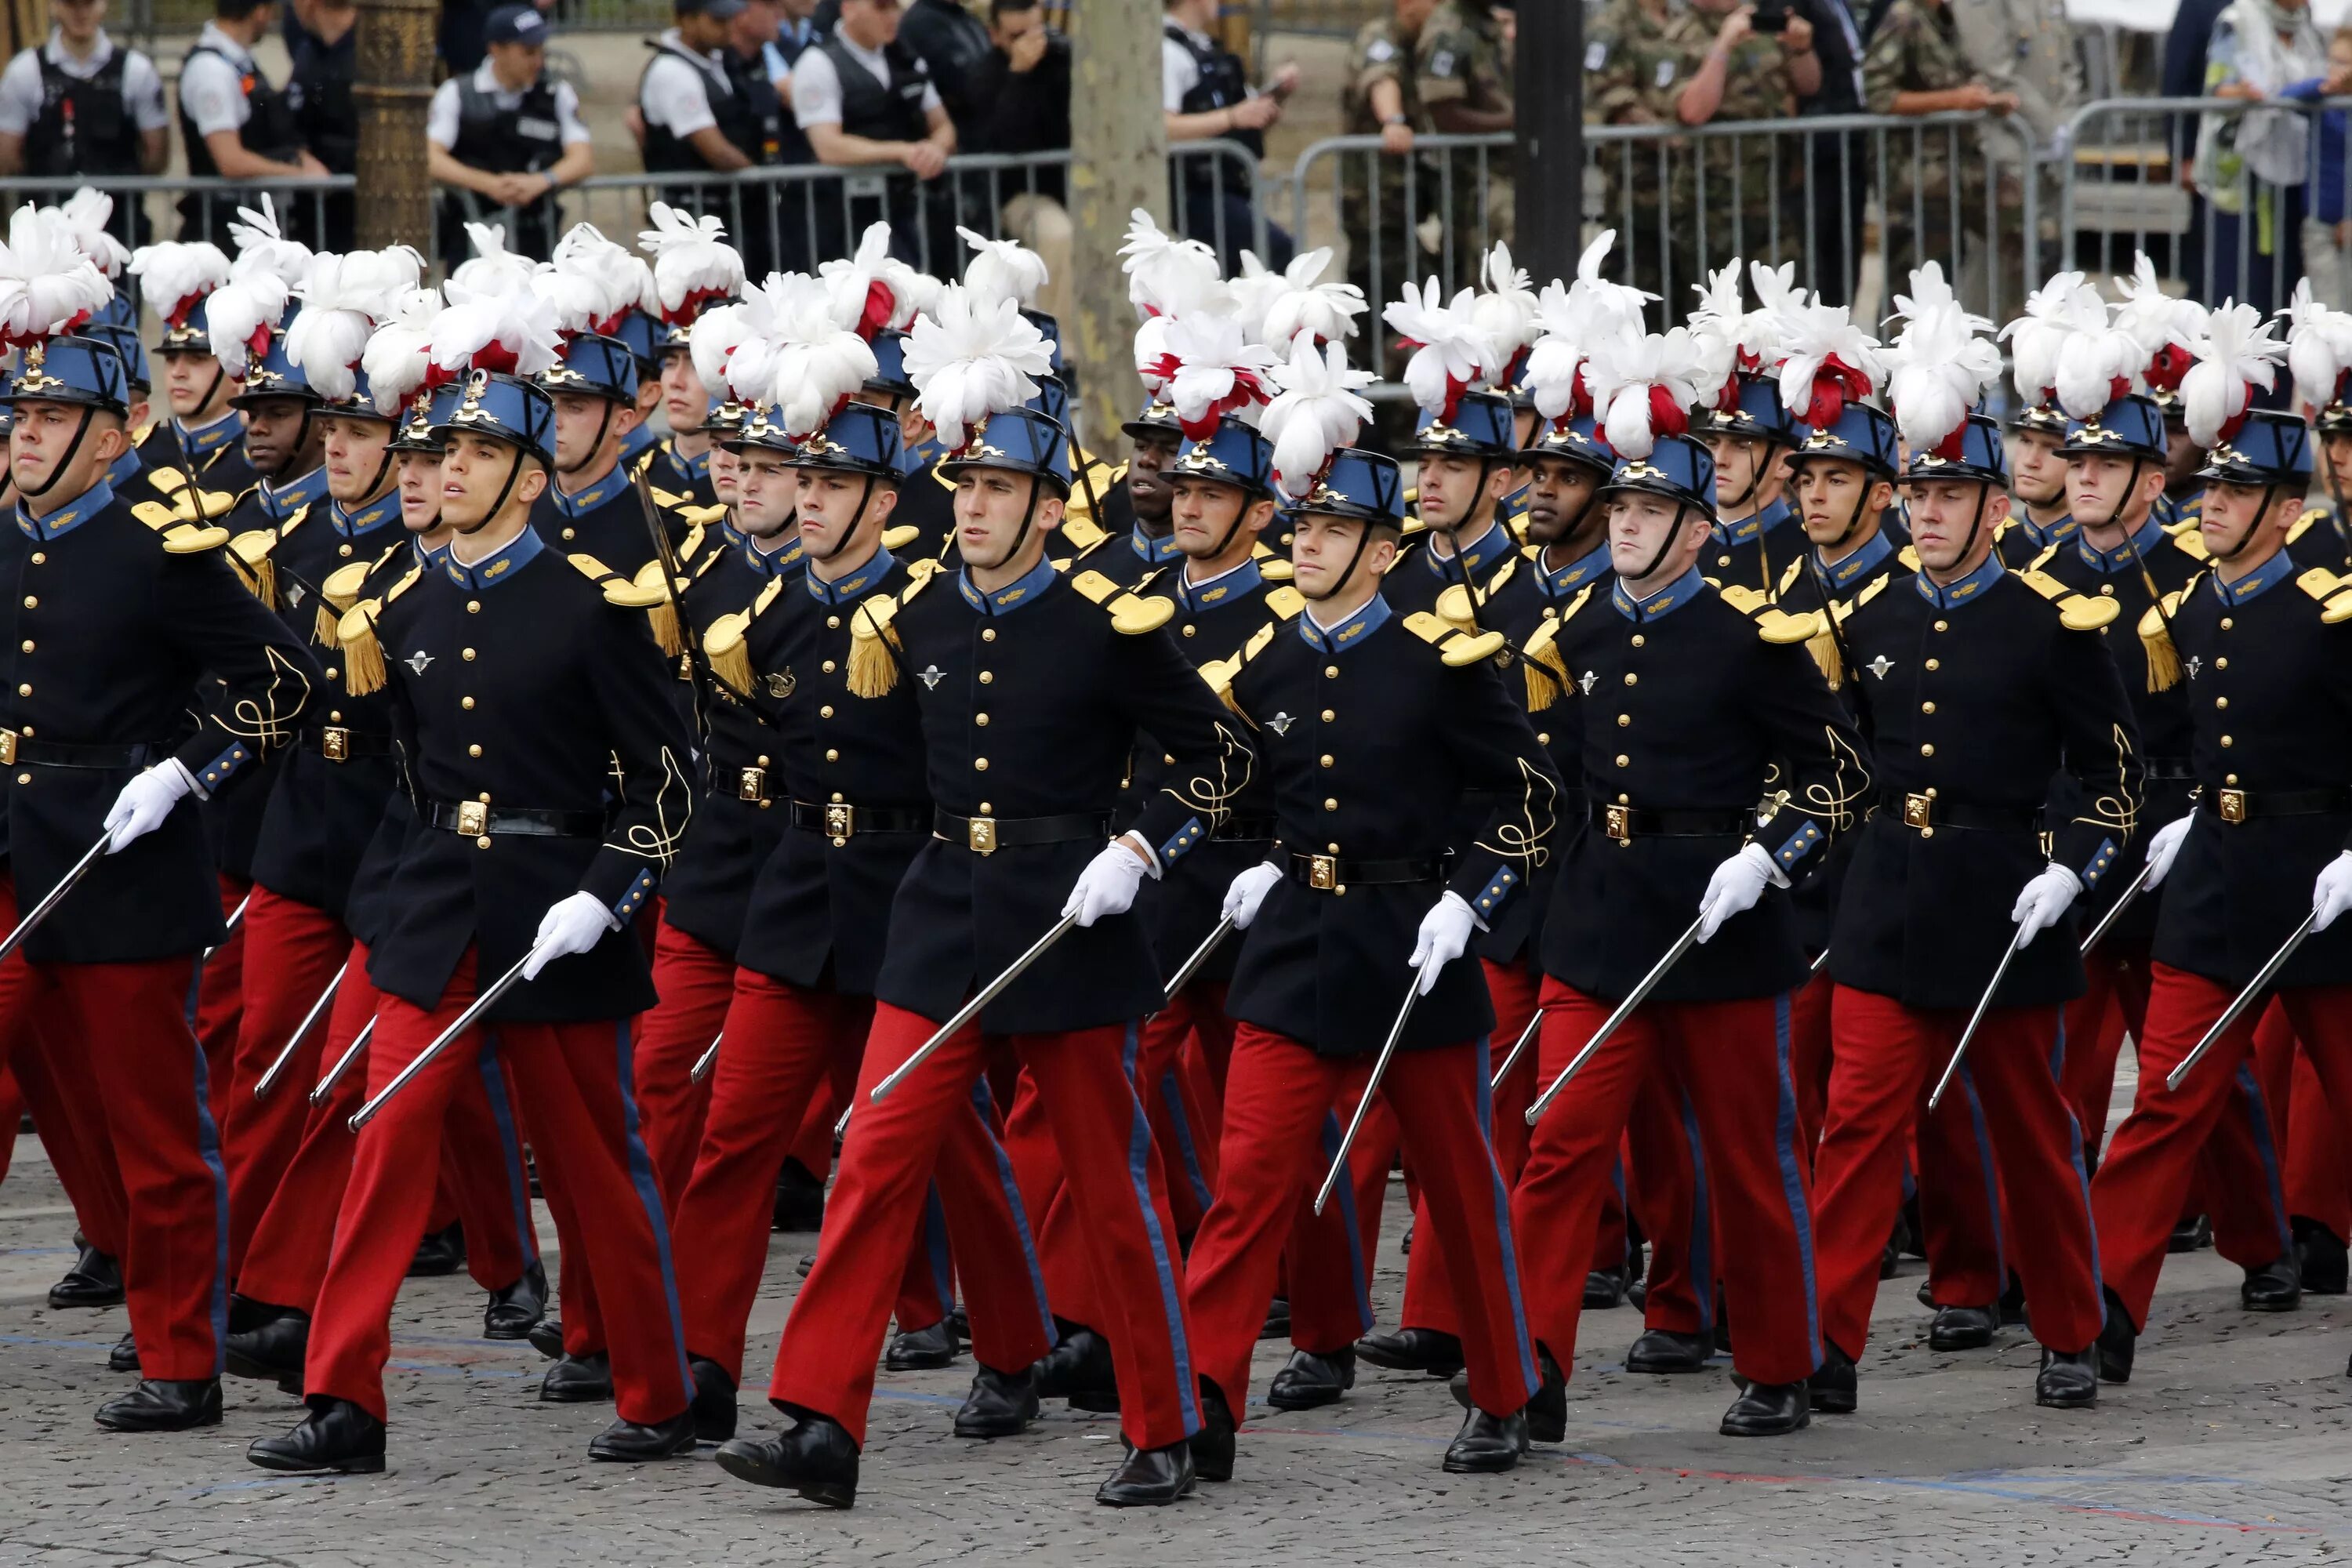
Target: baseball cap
<point>515,25</point>
<point>723,10</point>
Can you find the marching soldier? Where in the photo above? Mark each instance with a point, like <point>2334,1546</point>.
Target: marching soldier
<point>681,463</point>
<point>201,440</point>
<point>1463,474</point>
<point>1751,443</point>
<point>2038,516</point>
<point>1147,497</point>
<point>592,505</point>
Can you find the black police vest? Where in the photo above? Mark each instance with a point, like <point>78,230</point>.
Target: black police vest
<point>84,127</point>
<point>750,117</point>
<point>1222,84</point>
<point>321,103</point>
<point>893,113</point>
<point>268,130</point>
<point>524,140</point>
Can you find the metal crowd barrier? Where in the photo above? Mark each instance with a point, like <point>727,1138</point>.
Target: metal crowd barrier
<point>149,207</point>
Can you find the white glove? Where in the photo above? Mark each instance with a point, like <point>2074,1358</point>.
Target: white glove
<point>2043,900</point>
<point>144,803</point>
<point>1445,932</point>
<point>571,926</point>
<point>2332,894</point>
<point>1107,887</point>
<point>1734,889</point>
<point>2164,848</point>
<point>1248,891</point>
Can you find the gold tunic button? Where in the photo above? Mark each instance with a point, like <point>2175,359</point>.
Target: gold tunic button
<point>1934,664</point>
<point>28,644</point>
<point>473,751</point>
<point>826,666</point>
<point>824,713</point>
<point>1190,630</point>
<point>485,797</point>
<point>465,702</point>
<point>763,762</point>
<point>39,558</point>
<point>569,534</point>
<point>1324,759</point>
<point>1927,750</point>
<point>1328,715</point>
<point>834,756</point>
<point>335,716</point>
<point>24,691</point>
<point>1623,719</point>
<point>1331,671</point>
<point>31,603</point>
<point>1631,678</point>
<point>837,797</point>
<point>2108,589</point>
<point>981,719</point>
<point>2227,742</point>
<point>833,622</point>
<point>1638,639</point>
<point>988,633</point>
<point>980,764</point>
<point>1943,626</point>
<point>1542,740</point>
<point>985,809</point>
<point>343,550</point>
<point>2220,664</point>
<point>1723,560</point>
<point>2220,702</point>
<point>2231,780</point>
<point>2227,623</point>
<point>473,606</point>
<point>1623,761</point>
<point>483,842</point>
<point>331,672</point>
<point>1330,805</point>
<point>466,654</point>
<point>1927,708</point>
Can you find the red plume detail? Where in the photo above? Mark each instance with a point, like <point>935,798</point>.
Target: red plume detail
<point>1667,417</point>
<point>1453,388</point>
<point>1952,447</point>
<point>1835,385</point>
<point>257,344</point>
<point>2170,363</point>
<point>691,306</point>
<point>881,304</point>
<point>1727,400</point>
<point>2118,387</point>
<point>495,357</point>
<point>2237,422</point>
<point>605,326</point>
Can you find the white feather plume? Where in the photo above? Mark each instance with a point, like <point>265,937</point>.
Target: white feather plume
<point>860,285</point>
<point>692,262</point>
<point>1449,352</point>
<point>813,362</point>
<point>395,356</point>
<point>174,276</point>
<point>2053,314</point>
<point>593,281</point>
<point>1821,343</point>
<point>241,315</point>
<point>1572,328</point>
<point>1592,291</point>
<point>1164,273</point>
<point>911,293</point>
<point>1003,270</point>
<point>2236,355</point>
<point>86,213</point>
<point>2318,347</point>
<point>493,268</point>
<point>47,285</point>
<point>1940,367</point>
<point>970,358</point>
<point>715,337</point>
<point>1507,311</point>
<point>1214,371</point>
<point>1316,410</point>
<point>1644,385</point>
<point>343,297</point>
<point>510,330</point>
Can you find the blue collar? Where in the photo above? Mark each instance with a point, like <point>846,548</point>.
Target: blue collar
<point>78,511</point>
<point>2058,532</point>
<point>781,562</point>
<point>633,445</point>
<point>856,583</point>
<point>204,440</point>
<point>2260,580</point>
<point>1154,552</point>
<point>588,498</point>
<point>126,468</point>
<point>1866,556</point>
<point>384,509</point>
<point>1585,569</point>
<point>1968,588</point>
<point>496,568</point>
<point>1673,596</point>
<point>1224,588</point>
<point>2126,556</point>
<point>1347,633</point>
<point>1475,557</point>
<point>429,556</point>
<point>1030,586</point>
<point>1750,529</point>
<point>686,468</point>
<point>282,501</point>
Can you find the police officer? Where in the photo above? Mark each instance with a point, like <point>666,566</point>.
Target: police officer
<point>503,137</point>
<point>82,105</point>
<point>233,122</point>
<point>1464,473</point>
<point>864,99</point>
<point>323,54</point>
<point>1752,443</point>
<point>707,109</point>
<point>1205,97</point>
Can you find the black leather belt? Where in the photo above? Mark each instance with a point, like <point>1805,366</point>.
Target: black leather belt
<point>1627,823</point>
<point>1925,813</point>
<point>16,750</point>
<point>475,820</point>
<point>1243,830</point>
<point>748,785</point>
<point>2235,805</point>
<point>1331,873</point>
<point>838,821</point>
<point>987,834</point>
<point>339,744</point>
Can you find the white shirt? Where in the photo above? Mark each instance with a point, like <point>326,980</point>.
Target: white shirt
<point>1180,73</point>
<point>816,85</point>
<point>441,119</point>
<point>675,94</point>
<point>210,87</point>
<point>20,84</point>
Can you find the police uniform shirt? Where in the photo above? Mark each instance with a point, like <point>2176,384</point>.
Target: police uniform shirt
<point>441,119</point>
<point>21,93</point>
<point>1179,68</point>
<point>816,84</point>
<point>678,86</point>
<point>211,90</point>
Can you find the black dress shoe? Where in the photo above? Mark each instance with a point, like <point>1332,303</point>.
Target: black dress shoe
<point>1213,1445</point>
<point>1663,1350</point>
<point>442,1252</point>
<point>1547,1406</point>
<point>1001,1404</point>
<point>1832,1388</point>
<point>1769,1410</point>
<point>1963,1328</point>
<point>815,1459</point>
<point>1604,1288</point>
<point>2275,1286</point>
<point>1079,1370</point>
<point>1149,1478</point>
<point>1404,1242</point>
<point>578,1380</point>
<point>2068,1381</point>
<point>546,1337</point>
<point>628,1443</point>
<point>1637,1295</point>
<point>2013,1303</point>
<point>1413,1350</point>
<point>160,1404</point>
<point>921,1350</point>
<point>807,1262</point>
<point>2118,1341</point>
<point>94,1280</point>
<point>714,1401</point>
<point>519,1307</point>
<point>2327,1266</point>
<point>2191,1234</point>
<point>1889,1260</point>
<point>336,1435</point>
<point>1309,1381</point>
<point>800,1199</point>
<point>959,1325</point>
<point>1277,1321</point>
<point>1926,1292</point>
<point>124,1356</point>
<point>272,1353</point>
<point>1488,1444</point>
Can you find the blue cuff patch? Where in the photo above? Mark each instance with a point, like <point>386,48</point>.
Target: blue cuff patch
<point>217,770</point>
<point>1492,896</point>
<point>635,899</point>
<point>1192,833</point>
<point>2100,864</point>
<point>1800,844</point>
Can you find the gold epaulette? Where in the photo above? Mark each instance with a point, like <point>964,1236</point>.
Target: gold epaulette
<point>139,436</point>
<point>2156,640</point>
<point>724,645</point>
<point>1773,624</point>
<point>1286,601</point>
<point>653,591</point>
<point>1271,564</point>
<point>617,589</point>
<point>2295,530</point>
<point>1871,590</point>
<point>355,634</point>
<point>1789,578</point>
<point>2049,553</point>
<point>1219,673</point>
<point>1080,533</point>
<point>1454,604</point>
<point>2076,612</point>
<point>700,517</point>
<point>696,537</point>
<point>2334,593</point>
<point>178,528</point>
<point>1909,557</point>
<point>1547,673</point>
<point>1455,647</point>
<point>894,539</point>
<point>1128,614</point>
<point>2189,541</point>
<point>249,553</point>
<point>338,593</point>
<point>873,640</point>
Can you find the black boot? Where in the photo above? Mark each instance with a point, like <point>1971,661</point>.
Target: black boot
<point>546,1337</point>
<point>1547,1406</point>
<point>1769,1410</point>
<point>1277,1321</point>
<point>1213,1445</point>
<point>1413,1350</point>
<point>800,1199</point>
<point>273,1352</point>
<point>1832,1388</point>
<point>578,1380</point>
<point>2327,1266</point>
<point>921,1350</point>
<point>1149,1478</point>
<point>1001,1404</point>
<point>714,1401</point>
<point>2191,1234</point>
<point>2118,1341</point>
<point>2012,1302</point>
<point>628,1443</point>
<point>815,1459</point>
<point>1663,1350</point>
<point>1604,1288</point>
<point>2275,1286</point>
<point>1079,1370</point>
<point>1309,1381</point>
<point>1963,1328</point>
<point>807,1262</point>
<point>2068,1381</point>
<point>1926,1292</point>
<point>441,1252</point>
<point>959,1325</point>
<point>124,1356</point>
<point>519,1307</point>
<point>94,1280</point>
<point>1488,1444</point>
<point>336,1435</point>
<point>160,1404</point>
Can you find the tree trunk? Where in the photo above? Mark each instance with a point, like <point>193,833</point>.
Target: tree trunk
<point>1121,165</point>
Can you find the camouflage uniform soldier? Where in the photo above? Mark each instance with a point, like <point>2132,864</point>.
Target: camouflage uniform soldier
<point>1915,66</point>
<point>1379,99</point>
<point>1462,78</point>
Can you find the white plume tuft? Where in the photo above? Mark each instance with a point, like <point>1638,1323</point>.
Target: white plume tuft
<point>47,285</point>
<point>508,329</point>
<point>2053,314</point>
<point>863,295</point>
<point>593,283</point>
<point>1165,274</point>
<point>1003,270</point>
<point>86,213</point>
<point>970,358</point>
<point>693,263</point>
<point>1645,384</point>
<point>1574,321</point>
<point>1940,366</point>
<point>493,268</point>
<point>911,293</point>
<point>2318,347</point>
<point>1317,411</point>
<point>1508,311</point>
<point>1829,361</point>
<point>343,297</point>
<point>242,314</point>
<point>175,275</point>
<point>1211,369</point>
<point>813,363</point>
<point>1449,352</point>
<point>394,358</point>
<point>2236,355</point>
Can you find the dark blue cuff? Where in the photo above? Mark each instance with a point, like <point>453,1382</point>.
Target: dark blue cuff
<point>1799,844</point>
<point>1495,894</point>
<point>215,774</point>
<point>1183,839</point>
<point>2101,862</point>
<point>626,907</point>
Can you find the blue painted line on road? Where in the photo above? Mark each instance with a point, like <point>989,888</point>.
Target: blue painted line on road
<point>39,1252</point>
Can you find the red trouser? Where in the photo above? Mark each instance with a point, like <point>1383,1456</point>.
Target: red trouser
<point>2113,1005</point>
<point>1732,1062</point>
<point>697,985</point>
<point>1888,1057</point>
<point>2318,1179</point>
<point>1327,1260</point>
<point>575,1079</point>
<point>130,1022</point>
<point>1810,1052</point>
<point>1277,1092</point>
<point>1662,1170</point>
<point>1179,1123</point>
<point>1084,1082</point>
<point>290,953</point>
<point>61,1089</point>
<point>2153,1157</point>
<point>219,999</point>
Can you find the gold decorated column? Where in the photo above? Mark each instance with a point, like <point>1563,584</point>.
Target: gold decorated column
<point>396,85</point>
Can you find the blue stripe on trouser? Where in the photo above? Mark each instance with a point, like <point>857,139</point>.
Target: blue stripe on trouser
<point>986,1109</point>
<point>1792,1183</point>
<point>1699,1246</point>
<point>1359,1277</point>
<point>1171,1297</point>
<point>1172,1099</point>
<point>494,1085</point>
<point>935,1255</point>
<point>2258,1113</point>
<point>641,1173</point>
<point>2074,1134</point>
<point>208,1146</point>
<point>1991,1175</point>
<point>1520,1338</point>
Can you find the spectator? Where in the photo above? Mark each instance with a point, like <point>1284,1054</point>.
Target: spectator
<point>796,29</point>
<point>1025,82</point>
<point>2024,49</point>
<point>1379,97</point>
<point>235,124</point>
<point>1205,94</point>
<point>1462,77</point>
<point>78,105</point>
<point>864,99</point>
<point>952,43</point>
<point>1915,66</point>
<point>2250,167</point>
<point>2326,234</point>
<point>705,112</point>
<point>463,40</point>
<point>505,137</point>
<point>319,91</point>
<point>2185,44</point>
<point>1839,161</point>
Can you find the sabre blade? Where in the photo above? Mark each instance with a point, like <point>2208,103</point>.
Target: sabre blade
<point>423,1058</point>
<point>50,899</point>
<point>1984,1003</point>
<point>228,928</point>
<point>1186,970</point>
<point>1511,1059</point>
<point>1683,944</point>
<point>703,1063</point>
<point>970,1011</point>
<point>2246,998</point>
<point>301,1033</point>
<point>2133,889</point>
<point>326,1086</point>
<point>1371,1087</point>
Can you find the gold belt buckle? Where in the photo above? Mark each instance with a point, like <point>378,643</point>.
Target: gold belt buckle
<point>1322,872</point>
<point>335,744</point>
<point>7,748</point>
<point>751,783</point>
<point>979,835</point>
<point>1621,824</point>
<point>473,817</point>
<point>840,820</point>
<point>1918,811</point>
<point>2233,805</point>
